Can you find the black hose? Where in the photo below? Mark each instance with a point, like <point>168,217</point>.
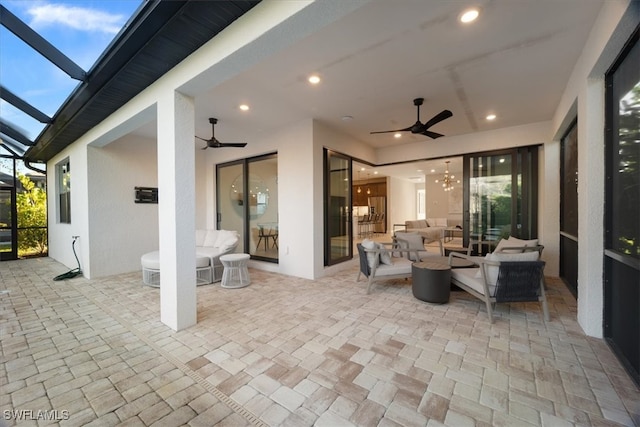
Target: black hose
<point>76,271</point>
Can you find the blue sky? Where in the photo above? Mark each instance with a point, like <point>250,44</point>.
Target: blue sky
<point>81,29</point>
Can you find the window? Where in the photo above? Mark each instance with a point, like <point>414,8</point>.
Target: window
<point>622,209</point>
<point>63,173</point>
<point>420,201</point>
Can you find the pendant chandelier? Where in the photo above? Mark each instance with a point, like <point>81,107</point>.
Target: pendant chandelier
<point>448,179</point>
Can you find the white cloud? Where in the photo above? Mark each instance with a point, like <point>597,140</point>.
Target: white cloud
<point>78,18</point>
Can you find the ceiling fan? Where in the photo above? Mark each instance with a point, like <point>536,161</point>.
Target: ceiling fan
<point>214,143</point>
<point>420,128</point>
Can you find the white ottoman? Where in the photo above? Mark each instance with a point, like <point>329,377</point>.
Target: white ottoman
<point>235,274</point>
<point>151,269</point>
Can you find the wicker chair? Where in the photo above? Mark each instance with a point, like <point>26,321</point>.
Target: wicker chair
<point>503,281</point>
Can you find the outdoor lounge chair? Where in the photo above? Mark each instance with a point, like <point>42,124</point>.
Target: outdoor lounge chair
<point>504,277</point>
<point>377,262</point>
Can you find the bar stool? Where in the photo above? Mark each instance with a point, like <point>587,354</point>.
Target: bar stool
<point>235,274</point>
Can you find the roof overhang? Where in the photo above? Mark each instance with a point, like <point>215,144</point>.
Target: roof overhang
<point>159,36</point>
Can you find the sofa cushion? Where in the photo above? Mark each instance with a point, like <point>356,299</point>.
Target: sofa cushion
<point>440,222</point>
<point>210,238</point>
<point>225,238</point>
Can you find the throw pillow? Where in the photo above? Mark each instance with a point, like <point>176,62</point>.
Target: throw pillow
<point>372,257</point>
<point>385,256</point>
<point>410,241</point>
<point>514,241</point>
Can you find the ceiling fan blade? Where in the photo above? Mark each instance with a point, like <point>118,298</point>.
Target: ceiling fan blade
<point>205,147</point>
<point>232,144</point>
<point>430,134</point>
<point>444,114</point>
<point>397,130</point>
<point>205,140</point>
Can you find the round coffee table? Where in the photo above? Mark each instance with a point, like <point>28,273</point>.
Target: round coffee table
<point>455,261</point>
<point>431,281</point>
<point>235,274</point>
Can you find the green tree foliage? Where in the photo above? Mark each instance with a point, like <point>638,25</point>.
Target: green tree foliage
<point>32,214</point>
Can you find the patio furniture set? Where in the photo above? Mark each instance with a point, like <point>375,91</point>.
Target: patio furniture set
<point>215,261</point>
<point>512,273</point>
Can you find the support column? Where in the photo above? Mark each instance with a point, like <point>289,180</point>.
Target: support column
<point>176,211</point>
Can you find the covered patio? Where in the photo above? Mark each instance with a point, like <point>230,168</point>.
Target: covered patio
<point>293,351</point>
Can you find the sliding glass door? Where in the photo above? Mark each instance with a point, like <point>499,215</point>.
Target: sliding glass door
<point>500,195</point>
<point>622,210</point>
<point>338,230</point>
<point>569,209</point>
<point>247,201</point>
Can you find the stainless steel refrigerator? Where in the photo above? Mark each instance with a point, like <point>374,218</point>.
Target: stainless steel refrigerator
<point>378,206</point>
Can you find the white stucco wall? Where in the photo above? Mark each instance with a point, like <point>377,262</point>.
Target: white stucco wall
<point>121,230</point>
<point>614,25</point>
<point>60,235</point>
<point>401,203</point>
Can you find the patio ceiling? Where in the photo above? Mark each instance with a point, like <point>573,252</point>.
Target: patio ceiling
<point>514,61</point>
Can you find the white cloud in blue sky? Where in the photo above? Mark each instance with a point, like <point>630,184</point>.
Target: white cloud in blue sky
<point>75,17</point>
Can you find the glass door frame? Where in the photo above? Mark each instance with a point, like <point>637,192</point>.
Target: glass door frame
<point>246,214</point>
<point>621,284</point>
<point>328,258</point>
<point>13,227</point>
<point>524,162</point>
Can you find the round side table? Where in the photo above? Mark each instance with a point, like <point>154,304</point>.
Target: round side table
<point>431,281</point>
<point>235,274</point>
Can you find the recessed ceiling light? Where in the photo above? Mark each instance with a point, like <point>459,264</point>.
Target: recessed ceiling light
<point>375,172</point>
<point>469,15</point>
<point>433,171</point>
<point>314,79</point>
<point>244,107</point>
<point>397,135</point>
<point>491,117</point>
<point>347,118</point>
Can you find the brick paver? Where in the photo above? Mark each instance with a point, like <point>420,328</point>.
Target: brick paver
<point>289,351</point>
